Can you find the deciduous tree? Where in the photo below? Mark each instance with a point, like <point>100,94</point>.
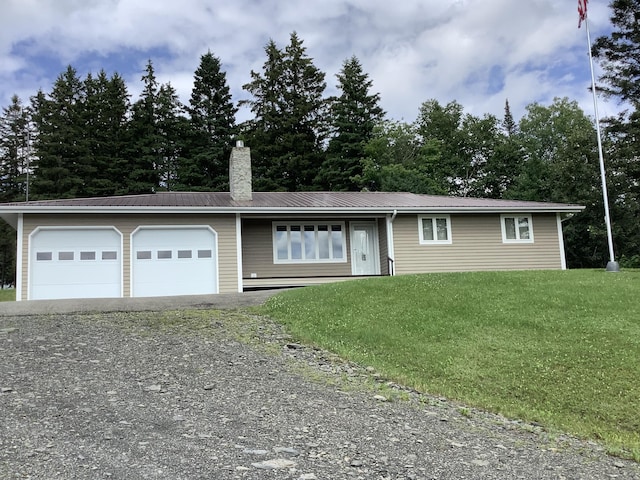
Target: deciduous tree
<point>561,165</point>
<point>396,159</point>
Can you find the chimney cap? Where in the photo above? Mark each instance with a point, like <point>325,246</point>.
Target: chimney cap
<point>239,143</point>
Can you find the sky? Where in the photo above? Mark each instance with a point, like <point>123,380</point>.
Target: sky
<point>476,52</point>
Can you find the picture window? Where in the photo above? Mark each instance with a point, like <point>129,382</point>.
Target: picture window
<point>308,243</point>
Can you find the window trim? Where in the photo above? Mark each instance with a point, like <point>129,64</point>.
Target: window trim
<point>433,218</point>
<point>516,216</point>
<point>302,225</point>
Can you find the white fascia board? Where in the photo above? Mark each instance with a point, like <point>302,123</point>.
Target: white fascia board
<point>10,211</point>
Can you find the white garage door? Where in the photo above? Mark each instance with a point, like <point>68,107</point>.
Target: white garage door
<point>173,261</point>
<point>75,263</point>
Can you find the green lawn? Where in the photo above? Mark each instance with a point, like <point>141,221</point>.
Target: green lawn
<point>8,295</point>
<point>561,348</point>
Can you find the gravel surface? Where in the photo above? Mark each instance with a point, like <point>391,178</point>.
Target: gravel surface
<point>222,394</point>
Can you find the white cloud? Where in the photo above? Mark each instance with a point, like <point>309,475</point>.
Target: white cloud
<point>478,52</point>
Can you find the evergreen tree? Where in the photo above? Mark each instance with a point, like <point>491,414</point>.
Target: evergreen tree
<point>58,147</point>
<point>353,115</point>
<point>15,139</point>
<point>619,53</point>
<point>211,130</point>
<point>15,145</point>
<point>105,110</point>
<point>509,125</point>
<point>143,138</point>
<point>170,128</point>
<point>623,183</point>
<point>289,127</point>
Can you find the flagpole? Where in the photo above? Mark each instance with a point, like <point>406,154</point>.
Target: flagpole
<point>612,265</point>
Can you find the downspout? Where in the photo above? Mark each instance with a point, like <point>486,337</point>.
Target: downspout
<point>390,248</point>
<point>239,252</point>
<point>19,258</point>
<point>559,221</point>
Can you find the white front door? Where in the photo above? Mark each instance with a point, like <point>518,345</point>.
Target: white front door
<point>364,249</point>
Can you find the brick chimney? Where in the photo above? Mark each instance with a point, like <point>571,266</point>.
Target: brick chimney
<point>240,172</point>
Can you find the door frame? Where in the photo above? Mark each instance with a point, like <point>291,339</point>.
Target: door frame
<point>374,244</point>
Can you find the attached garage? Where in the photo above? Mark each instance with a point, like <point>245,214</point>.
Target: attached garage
<point>75,262</point>
<point>173,260</point>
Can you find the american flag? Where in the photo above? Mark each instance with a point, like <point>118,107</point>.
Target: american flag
<point>582,11</point>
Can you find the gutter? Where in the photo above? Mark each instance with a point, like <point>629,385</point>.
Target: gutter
<point>283,210</point>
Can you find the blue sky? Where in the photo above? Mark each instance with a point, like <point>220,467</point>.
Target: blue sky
<point>477,52</point>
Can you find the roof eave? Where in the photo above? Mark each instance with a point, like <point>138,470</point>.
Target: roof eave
<point>11,211</point>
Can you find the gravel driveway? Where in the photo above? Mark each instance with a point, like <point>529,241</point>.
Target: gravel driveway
<point>223,394</point>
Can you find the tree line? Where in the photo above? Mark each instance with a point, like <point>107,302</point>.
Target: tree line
<point>86,138</point>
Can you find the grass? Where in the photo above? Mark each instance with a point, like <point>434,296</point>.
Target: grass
<point>560,348</point>
<point>8,295</point>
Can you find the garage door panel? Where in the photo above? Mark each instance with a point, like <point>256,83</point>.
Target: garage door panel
<point>174,261</point>
<point>75,263</point>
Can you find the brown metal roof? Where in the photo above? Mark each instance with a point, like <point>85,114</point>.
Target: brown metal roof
<point>289,200</point>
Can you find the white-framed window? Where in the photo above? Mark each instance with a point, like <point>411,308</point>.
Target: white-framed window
<point>309,242</point>
<point>434,229</point>
<point>516,228</point>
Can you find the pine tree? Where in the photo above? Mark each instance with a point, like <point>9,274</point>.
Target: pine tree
<point>58,147</point>
<point>619,56</point>
<point>289,127</point>
<point>143,138</point>
<point>15,145</point>
<point>509,125</point>
<point>170,128</point>
<point>354,115</point>
<point>105,110</point>
<point>15,139</point>
<point>211,130</point>
<point>619,53</point>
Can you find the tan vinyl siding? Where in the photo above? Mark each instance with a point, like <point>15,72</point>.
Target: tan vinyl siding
<point>476,245</point>
<point>257,254</point>
<point>384,248</point>
<point>224,225</point>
